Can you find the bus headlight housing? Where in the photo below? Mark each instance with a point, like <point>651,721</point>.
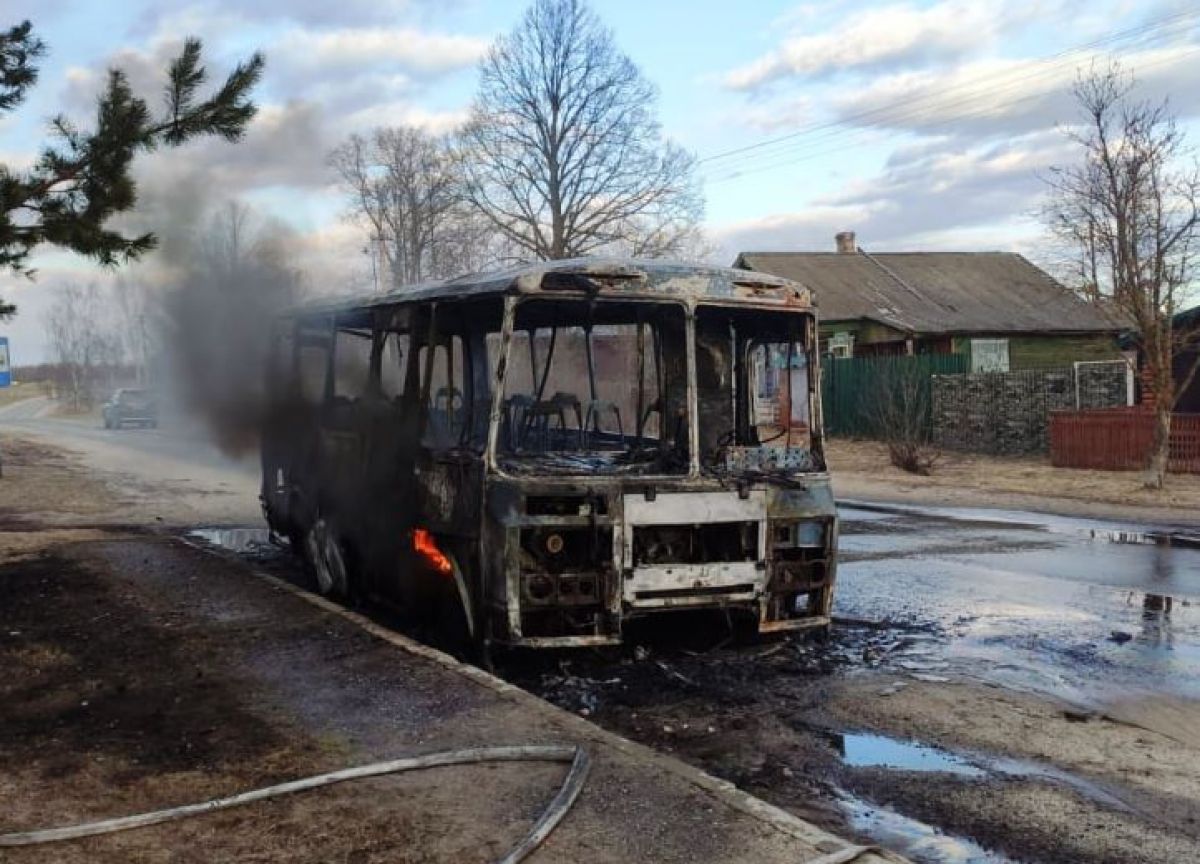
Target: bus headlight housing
<point>802,534</point>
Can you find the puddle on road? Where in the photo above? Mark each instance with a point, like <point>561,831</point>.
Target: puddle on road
<point>922,842</point>
<point>866,750</point>
<point>878,751</point>
<point>240,540</point>
<point>916,840</point>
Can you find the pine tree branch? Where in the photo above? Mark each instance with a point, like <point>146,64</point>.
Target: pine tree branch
<point>84,178</point>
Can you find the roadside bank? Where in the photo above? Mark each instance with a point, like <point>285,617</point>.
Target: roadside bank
<point>861,470</point>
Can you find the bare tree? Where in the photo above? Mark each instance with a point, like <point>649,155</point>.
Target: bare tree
<point>404,186</point>
<point>135,319</point>
<point>563,153</point>
<point>899,408</point>
<point>82,340</point>
<point>1131,209</point>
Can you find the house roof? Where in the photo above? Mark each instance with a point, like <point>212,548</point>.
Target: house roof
<point>935,292</point>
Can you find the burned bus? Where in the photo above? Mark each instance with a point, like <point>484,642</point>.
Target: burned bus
<point>538,457</point>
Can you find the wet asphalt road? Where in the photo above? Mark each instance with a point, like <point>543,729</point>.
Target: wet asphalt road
<point>1081,610</point>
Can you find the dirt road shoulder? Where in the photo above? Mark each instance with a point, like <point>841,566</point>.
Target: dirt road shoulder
<point>861,470</point>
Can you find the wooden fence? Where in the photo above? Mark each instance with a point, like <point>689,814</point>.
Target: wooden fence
<point>1119,439</point>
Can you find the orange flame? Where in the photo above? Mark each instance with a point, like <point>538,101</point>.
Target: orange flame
<point>427,548</point>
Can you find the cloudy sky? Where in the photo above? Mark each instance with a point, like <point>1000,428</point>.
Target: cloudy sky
<point>920,125</point>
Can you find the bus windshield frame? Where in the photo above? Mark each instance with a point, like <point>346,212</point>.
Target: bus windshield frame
<point>715,375</point>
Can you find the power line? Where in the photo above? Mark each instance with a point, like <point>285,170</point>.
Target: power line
<point>1045,66</point>
<point>1134,32</point>
<point>785,159</point>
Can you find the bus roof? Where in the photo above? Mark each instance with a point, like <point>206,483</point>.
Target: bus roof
<point>604,277</point>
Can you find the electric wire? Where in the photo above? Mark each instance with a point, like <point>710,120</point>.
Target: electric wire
<point>862,136</point>
<point>797,143</point>
<point>1065,57</point>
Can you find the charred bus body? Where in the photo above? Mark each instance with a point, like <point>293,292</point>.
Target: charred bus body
<point>538,456</point>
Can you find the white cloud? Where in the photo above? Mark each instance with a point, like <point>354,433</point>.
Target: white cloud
<point>932,196</point>
<point>811,230</point>
<point>406,113</point>
<point>899,34</point>
<point>355,48</point>
<point>17,160</point>
<point>779,114</point>
<point>333,259</point>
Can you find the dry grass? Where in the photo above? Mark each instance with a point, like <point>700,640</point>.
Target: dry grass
<point>19,391</point>
<point>43,485</point>
<point>863,469</point>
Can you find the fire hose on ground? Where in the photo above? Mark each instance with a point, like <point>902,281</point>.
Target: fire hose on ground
<point>551,816</point>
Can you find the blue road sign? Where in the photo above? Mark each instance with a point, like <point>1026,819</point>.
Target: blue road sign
<point>5,369</point>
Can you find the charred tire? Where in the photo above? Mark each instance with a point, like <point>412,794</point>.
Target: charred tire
<point>296,538</point>
<point>326,554</point>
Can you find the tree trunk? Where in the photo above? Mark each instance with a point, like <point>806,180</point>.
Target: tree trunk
<point>1162,377</point>
<point>1159,455</point>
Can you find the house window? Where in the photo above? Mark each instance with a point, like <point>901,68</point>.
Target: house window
<point>841,345</point>
<point>989,355</point>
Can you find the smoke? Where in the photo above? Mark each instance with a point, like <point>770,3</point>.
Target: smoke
<point>217,322</point>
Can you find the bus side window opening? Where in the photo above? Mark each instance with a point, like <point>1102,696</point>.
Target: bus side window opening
<point>393,364</point>
<point>445,405</point>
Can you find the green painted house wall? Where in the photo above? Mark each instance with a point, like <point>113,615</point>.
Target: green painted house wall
<point>1050,350</point>
<point>863,331</point>
<point>1024,352</point>
<point>1032,352</point>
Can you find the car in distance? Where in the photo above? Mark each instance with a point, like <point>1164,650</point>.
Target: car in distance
<point>131,406</point>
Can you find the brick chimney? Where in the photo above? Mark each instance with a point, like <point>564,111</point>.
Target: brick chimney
<point>845,243</point>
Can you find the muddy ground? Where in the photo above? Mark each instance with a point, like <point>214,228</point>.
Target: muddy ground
<point>995,691</point>
<point>1000,771</point>
<point>109,710</point>
<point>115,700</point>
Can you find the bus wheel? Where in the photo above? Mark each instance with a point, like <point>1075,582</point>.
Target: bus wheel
<point>328,558</point>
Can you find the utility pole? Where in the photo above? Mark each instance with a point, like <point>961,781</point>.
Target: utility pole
<point>377,252</point>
